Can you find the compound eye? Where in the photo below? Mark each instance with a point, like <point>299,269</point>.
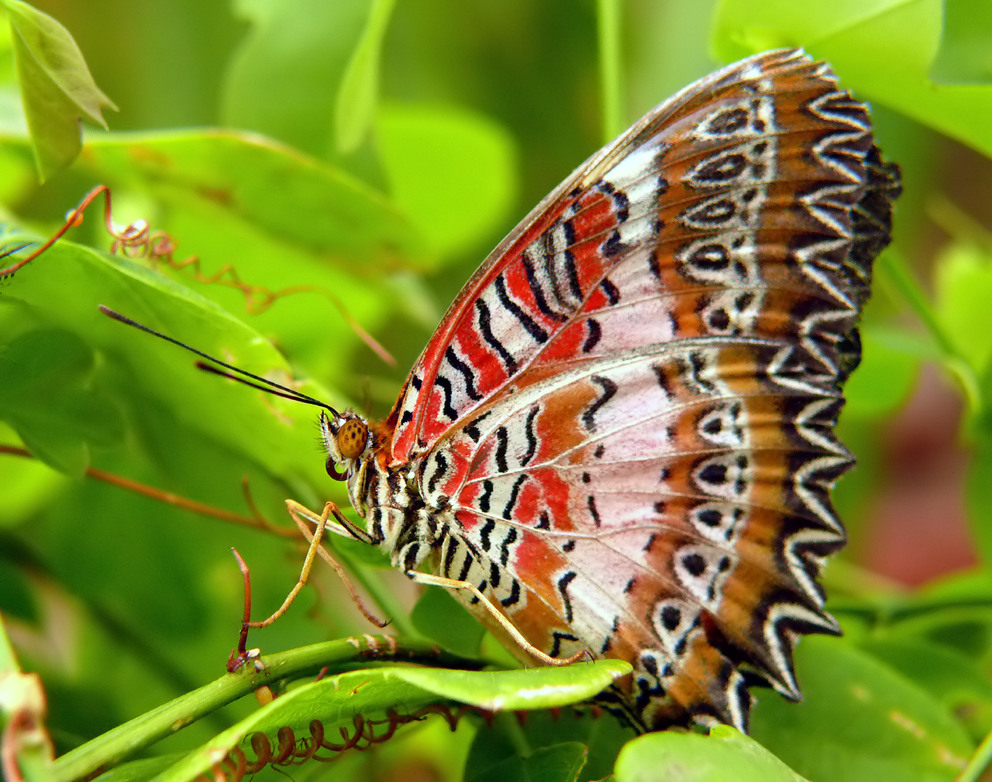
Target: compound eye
<point>352,438</point>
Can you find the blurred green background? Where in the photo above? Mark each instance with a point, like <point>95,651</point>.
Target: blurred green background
<point>372,155</point>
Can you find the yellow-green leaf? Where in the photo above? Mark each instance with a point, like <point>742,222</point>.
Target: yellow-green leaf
<point>56,86</point>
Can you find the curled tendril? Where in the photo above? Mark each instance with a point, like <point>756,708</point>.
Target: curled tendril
<point>290,750</point>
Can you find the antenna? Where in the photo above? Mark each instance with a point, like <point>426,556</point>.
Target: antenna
<point>218,367</point>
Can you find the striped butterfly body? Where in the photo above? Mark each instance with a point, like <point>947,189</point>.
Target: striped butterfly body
<point>622,431</point>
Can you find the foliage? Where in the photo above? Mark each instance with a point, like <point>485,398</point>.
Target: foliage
<point>359,158</point>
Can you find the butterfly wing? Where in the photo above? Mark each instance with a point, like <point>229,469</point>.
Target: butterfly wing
<point>628,411</point>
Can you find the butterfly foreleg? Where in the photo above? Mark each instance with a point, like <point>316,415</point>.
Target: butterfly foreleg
<point>343,526</point>
<point>301,515</point>
<point>430,579</point>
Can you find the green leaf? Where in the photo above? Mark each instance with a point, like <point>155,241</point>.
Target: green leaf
<point>30,485</point>
<point>264,220</point>
<point>451,171</point>
<point>499,744</point>
<point>46,399</point>
<point>893,271</point>
<point>955,680</point>
<point>965,56</point>
<point>242,191</point>
<point>140,770</point>
<point>882,50</point>
<point>8,660</point>
<point>438,616</point>
<point>63,288</point>
<point>955,612</point>
<point>859,719</point>
<point>963,290</point>
<point>886,377</point>
<point>529,688</point>
<point>283,78</point>
<point>558,763</point>
<point>359,90</point>
<point>724,754</point>
<point>56,86</point>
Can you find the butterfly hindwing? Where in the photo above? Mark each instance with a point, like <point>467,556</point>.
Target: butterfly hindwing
<point>690,526</point>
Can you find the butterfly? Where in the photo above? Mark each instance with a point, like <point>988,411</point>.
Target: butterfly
<point>619,442</point>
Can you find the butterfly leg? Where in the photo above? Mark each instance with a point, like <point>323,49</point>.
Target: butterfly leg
<point>301,515</point>
<point>241,655</point>
<point>430,579</point>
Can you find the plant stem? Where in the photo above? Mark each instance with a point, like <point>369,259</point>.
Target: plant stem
<point>979,763</point>
<point>114,745</point>
<point>608,26</point>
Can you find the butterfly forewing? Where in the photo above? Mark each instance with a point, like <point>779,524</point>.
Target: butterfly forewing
<point>624,423</point>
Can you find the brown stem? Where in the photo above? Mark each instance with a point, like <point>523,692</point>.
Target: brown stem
<point>256,521</point>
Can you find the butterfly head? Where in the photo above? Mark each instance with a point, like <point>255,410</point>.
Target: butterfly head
<point>346,438</point>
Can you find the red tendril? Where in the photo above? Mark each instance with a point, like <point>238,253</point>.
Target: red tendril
<point>288,750</point>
